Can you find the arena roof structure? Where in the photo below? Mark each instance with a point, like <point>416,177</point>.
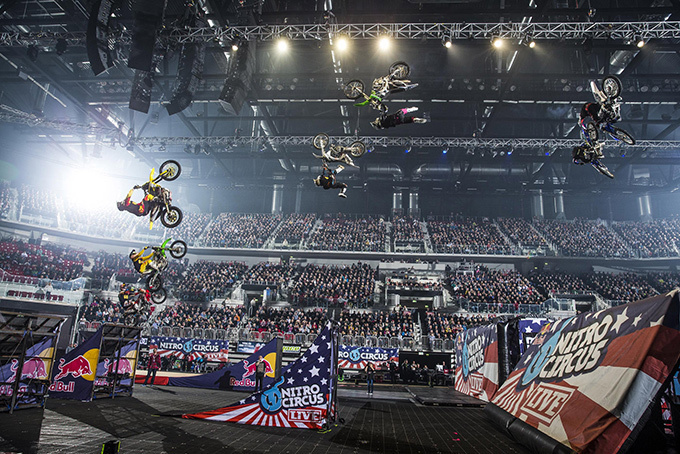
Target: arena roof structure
<point>502,118</point>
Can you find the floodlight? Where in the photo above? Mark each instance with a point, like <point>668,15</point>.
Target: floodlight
<point>497,43</point>
<point>384,43</point>
<point>342,44</point>
<point>282,44</point>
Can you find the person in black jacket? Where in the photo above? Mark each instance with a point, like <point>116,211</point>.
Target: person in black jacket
<point>327,180</point>
<point>401,117</point>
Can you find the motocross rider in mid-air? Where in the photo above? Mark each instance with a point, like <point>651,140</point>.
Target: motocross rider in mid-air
<point>327,180</point>
<point>151,191</point>
<point>141,262</point>
<point>401,117</point>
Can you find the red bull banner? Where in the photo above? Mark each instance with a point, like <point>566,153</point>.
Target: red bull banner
<point>122,363</point>
<point>477,362</point>
<point>301,398</point>
<point>73,376</point>
<point>213,350</point>
<point>587,381</point>
<point>37,366</point>
<point>357,357</point>
<point>236,377</point>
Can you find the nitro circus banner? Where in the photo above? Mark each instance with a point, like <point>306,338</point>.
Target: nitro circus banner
<point>299,399</point>
<point>586,381</point>
<point>37,366</point>
<point>249,346</point>
<point>358,357</point>
<point>237,377</point>
<point>123,362</point>
<point>73,378</point>
<point>184,348</point>
<point>528,330</point>
<point>477,362</point>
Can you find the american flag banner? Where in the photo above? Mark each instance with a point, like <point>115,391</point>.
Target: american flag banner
<point>528,330</point>
<point>357,357</point>
<point>477,362</point>
<point>303,397</point>
<point>587,381</point>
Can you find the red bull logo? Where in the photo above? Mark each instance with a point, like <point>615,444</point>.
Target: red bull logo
<point>252,368</point>
<point>34,369</point>
<point>124,366</point>
<point>76,367</point>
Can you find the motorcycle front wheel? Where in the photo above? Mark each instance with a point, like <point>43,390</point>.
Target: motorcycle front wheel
<point>611,86</point>
<point>354,89</point>
<point>170,170</point>
<point>171,217</point>
<point>154,282</point>
<point>178,249</point>
<point>159,296</point>
<point>320,141</point>
<point>592,133</point>
<point>357,148</point>
<point>400,70</point>
<point>603,169</point>
<point>622,135</point>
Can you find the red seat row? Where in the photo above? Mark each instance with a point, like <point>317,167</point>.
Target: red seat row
<point>35,296</point>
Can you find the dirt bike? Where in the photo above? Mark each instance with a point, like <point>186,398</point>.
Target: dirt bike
<point>161,204</point>
<point>136,302</point>
<point>610,109</point>
<point>594,148</point>
<point>154,280</point>
<point>394,82</point>
<point>338,153</point>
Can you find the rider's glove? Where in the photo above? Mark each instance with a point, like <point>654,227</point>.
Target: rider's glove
<point>137,187</point>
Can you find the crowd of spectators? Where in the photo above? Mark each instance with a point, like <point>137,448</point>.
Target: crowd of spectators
<point>443,325</point>
<point>521,233</point>
<point>191,227</point>
<point>395,323</point>
<point>651,239</point>
<point>406,229</point>
<point>582,238</point>
<point>467,236</point>
<point>186,315</point>
<point>294,229</point>
<point>622,286</point>
<point>205,280</point>
<point>5,199</point>
<point>287,320</point>
<point>557,282</point>
<point>266,273</point>
<point>50,261</point>
<point>414,282</point>
<point>341,233</point>
<point>105,264</point>
<point>101,221</point>
<point>499,288</point>
<point>343,286</point>
<point>39,202</point>
<point>102,310</point>
<point>235,230</point>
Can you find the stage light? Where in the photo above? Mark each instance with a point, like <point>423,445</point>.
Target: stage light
<point>641,43</point>
<point>497,43</point>
<point>509,153</point>
<point>282,44</point>
<point>408,150</point>
<point>234,47</point>
<point>532,44</point>
<point>444,151</point>
<point>446,41</point>
<point>342,44</point>
<point>384,43</point>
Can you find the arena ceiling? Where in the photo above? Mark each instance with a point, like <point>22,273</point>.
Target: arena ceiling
<point>470,91</point>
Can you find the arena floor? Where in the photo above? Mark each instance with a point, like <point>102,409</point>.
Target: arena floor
<point>389,422</point>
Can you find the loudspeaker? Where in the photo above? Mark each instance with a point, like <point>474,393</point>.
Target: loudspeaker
<point>96,38</point>
<point>239,78</point>
<point>189,72</point>
<point>140,96</point>
<point>148,15</point>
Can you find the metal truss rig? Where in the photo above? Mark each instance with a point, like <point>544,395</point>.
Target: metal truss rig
<point>406,142</point>
<point>318,32</point>
<point>11,115</point>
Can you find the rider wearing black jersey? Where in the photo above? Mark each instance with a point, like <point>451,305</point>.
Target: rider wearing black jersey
<point>401,117</point>
<point>327,180</point>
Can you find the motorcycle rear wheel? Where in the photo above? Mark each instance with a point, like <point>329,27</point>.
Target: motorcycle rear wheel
<point>320,141</point>
<point>622,135</point>
<point>354,89</point>
<point>357,149</point>
<point>154,282</point>
<point>611,86</point>
<point>603,169</point>
<point>170,170</point>
<point>178,249</point>
<point>159,296</point>
<point>171,217</point>
<point>400,70</point>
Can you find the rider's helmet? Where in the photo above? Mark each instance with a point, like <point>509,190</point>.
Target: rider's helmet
<point>376,123</point>
<point>132,252</point>
<point>123,287</point>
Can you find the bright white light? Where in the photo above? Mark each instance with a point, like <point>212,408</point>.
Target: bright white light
<point>497,43</point>
<point>88,187</point>
<point>282,44</point>
<point>384,43</point>
<point>532,44</point>
<point>447,44</point>
<point>342,44</point>
<point>641,43</point>
<point>234,47</point>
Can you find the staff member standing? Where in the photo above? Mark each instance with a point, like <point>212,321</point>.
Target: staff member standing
<point>260,370</point>
<point>153,366</point>
<point>370,376</point>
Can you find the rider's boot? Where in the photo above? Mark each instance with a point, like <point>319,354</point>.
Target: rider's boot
<point>339,169</point>
<point>597,93</point>
<point>420,120</point>
<point>342,193</point>
<point>409,109</point>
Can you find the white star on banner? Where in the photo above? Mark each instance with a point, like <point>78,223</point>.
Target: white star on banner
<point>324,381</point>
<point>323,338</point>
<point>291,380</point>
<point>242,402</point>
<point>299,371</point>
<point>321,359</point>
<point>314,371</point>
<point>328,345</point>
<point>620,320</point>
<point>253,398</point>
<point>314,348</point>
<point>656,323</point>
<point>303,359</point>
<point>637,319</point>
<point>305,380</point>
<point>529,330</point>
